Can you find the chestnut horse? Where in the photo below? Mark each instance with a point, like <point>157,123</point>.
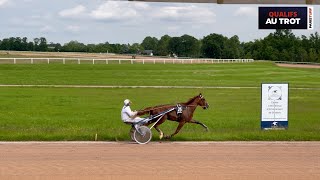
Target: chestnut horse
<point>186,116</point>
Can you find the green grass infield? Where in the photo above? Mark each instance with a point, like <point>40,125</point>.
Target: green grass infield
<point>30,113</point>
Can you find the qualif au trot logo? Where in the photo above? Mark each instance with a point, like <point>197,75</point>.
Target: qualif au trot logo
<point>286,18</point>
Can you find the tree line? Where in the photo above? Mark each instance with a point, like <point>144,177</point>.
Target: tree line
<point>281,45</point>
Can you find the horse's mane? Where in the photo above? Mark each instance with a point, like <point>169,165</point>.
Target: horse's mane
<point>190,100</point>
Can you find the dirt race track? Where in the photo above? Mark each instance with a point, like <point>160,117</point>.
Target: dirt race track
<point>300,66</point>
<point>166,160</point>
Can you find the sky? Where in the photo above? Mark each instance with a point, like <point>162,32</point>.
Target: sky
<point>99,21</point>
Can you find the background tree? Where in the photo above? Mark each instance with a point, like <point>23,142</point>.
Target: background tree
<point>280,45</point>
<point>313,56</point>
<point>232,48</point>
<point>190,46</point>
<point>135,48</point>
<point>163,46</point>
<point>30,46</point>
<point>36,42</point>
<point>24,44</point>
<point>43,44</point>
<point>57,47</point>
<point>74,46</point>
<point>174,46</point>
<point>213,45</point>
<point>150,43</point>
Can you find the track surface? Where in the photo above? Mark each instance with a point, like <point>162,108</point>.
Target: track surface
<point>299,65</point>
<point>177,160</point>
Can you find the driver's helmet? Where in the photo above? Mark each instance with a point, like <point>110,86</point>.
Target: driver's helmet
<point>126,102</point>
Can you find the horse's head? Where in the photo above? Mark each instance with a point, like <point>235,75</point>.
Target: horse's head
<point>202,102</point>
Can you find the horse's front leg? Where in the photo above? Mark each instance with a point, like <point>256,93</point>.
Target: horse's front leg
<point>181,123</point>
<point>198,122</point>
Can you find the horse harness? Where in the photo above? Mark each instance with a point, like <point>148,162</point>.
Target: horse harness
<point>179,109</point>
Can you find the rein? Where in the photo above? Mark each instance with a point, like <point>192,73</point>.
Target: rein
<point>174,106</point>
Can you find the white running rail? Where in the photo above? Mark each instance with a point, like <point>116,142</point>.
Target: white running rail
<point>118,61</point>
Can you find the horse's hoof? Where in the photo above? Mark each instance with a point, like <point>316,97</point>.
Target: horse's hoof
<point>161,135</point>
<point>168,137</point>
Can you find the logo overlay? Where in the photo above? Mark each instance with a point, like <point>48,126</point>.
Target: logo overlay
<point>286,18</point>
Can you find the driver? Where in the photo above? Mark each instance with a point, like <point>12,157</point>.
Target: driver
<point>127,115</point>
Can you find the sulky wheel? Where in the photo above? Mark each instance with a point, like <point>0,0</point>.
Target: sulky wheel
<point>142,135</point>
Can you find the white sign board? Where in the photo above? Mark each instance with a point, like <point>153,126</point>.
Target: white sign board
<point>274,106</point>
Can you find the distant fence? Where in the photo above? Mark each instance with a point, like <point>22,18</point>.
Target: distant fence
<point>116,61</point>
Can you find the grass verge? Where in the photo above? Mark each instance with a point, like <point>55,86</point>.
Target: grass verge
<point>78,114</point>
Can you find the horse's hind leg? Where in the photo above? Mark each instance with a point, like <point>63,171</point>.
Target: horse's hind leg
<point>158,129</point>
<point>181,123</point>
<point>198,122</point>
